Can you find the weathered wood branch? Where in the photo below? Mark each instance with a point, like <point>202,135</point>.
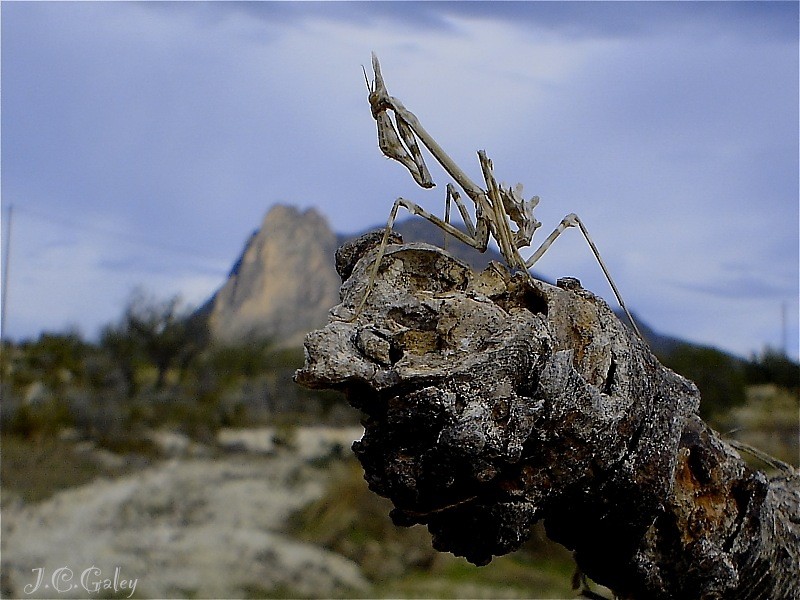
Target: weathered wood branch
<point>492,402</point>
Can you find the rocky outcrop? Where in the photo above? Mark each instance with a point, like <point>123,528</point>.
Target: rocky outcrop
<point>283,284</point>
<point>493,401</point>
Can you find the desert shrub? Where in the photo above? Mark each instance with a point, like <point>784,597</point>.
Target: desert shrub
<point>31,420</point>
<point>226,365</point>
<point>773,367</point>
<point>160,334</point>
<point>719,376</point>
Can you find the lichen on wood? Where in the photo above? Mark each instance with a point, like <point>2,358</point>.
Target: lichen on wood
<point>492,401</point>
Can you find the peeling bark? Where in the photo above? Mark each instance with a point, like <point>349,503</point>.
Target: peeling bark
<point>492,402</point>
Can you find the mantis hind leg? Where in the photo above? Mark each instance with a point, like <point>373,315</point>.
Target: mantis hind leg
<point>572,220</point>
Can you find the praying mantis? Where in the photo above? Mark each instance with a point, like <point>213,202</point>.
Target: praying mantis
<point>496,207</point>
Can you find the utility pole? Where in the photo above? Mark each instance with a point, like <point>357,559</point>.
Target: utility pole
<point>6,263</point>
<point>784,333</point>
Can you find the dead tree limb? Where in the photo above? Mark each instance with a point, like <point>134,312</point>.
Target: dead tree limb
<point>493,401</point>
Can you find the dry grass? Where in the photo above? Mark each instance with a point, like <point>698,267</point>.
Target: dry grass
<point>34,469</point>
<point>769,420</point>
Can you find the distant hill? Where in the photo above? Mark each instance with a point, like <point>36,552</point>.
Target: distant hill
<point>284,282</point>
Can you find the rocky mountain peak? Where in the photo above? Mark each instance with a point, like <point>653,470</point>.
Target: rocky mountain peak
<point>284,282</point>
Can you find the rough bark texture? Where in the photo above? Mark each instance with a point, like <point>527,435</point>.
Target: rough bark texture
<point>492,402</point>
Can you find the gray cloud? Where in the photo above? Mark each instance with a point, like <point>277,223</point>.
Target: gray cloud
<point>670,127</point>
<point>571,19</point>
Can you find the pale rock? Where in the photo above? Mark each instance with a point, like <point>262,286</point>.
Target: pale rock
<point>283,284</point>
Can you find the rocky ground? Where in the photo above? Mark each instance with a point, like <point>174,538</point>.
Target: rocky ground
<point>201,524</point>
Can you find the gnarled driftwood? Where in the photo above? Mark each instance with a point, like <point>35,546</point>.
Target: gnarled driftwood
<point>492,402</point>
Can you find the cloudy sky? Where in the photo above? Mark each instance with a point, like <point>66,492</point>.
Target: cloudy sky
<point>143,142</point>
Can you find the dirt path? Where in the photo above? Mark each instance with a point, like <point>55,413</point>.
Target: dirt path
<point>184,528</point>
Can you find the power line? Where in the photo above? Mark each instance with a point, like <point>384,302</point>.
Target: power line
<point>784,331</point>
<point>6,264</point>
<point>136,240</point>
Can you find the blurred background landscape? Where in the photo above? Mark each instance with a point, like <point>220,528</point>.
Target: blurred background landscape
<point>176,178</point>
<point>173,449</point>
